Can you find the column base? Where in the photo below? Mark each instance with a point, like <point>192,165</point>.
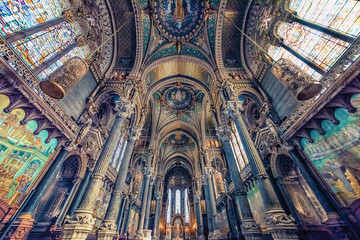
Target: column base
<point>216,235</point>
<point>78,226</point>
<point>143,235</point>
<point>280,225</point>
<point>21,227</point>
<point>251,230</point>
<point>201,237</point>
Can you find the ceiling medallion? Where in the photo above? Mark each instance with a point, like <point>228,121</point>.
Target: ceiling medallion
<point>178,139</point>
<point>179,20</point>
<point>178,98</point>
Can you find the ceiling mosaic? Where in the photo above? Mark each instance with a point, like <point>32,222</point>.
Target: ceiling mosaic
<point>178,139</point>
<point>179,20</point>
<point>176,68</point>
<point>179,98</point>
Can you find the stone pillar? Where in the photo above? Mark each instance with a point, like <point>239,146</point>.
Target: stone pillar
<point>278,223</point>
<point>80,192</point>
<point>208,205</point>
<point>216,234</point>
<point>81,223</point>
<point>199,218</point>
<point>108,227</point>
<point>139,233</point>
<point>158,197</point>
<point>249,228</point>
<point>25,221</point>
<point>126,216</point>
<point>148,204</point>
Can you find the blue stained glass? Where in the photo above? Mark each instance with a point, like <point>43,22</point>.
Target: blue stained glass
<point>41,46</point>
<point>23,14</point>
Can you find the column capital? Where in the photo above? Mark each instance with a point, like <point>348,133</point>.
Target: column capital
<point>233,108</point>
<point>133,133</point>
<point>223,133</point>
<point>124,108</point>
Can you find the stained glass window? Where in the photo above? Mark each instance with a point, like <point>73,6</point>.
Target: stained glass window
<point>279,52</point>
<point>81,52</point>
<point>168,213</point>
<point>41,46</point>
<point>17,15</point>
<point>238,149</point>
<point>340,15</point>
<point>319,48</point>
<point>118,153</point>
<point>177,202</point>
<point>186,205</point>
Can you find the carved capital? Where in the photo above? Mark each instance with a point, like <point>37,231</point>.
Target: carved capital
<point>133,133</point>
<point>80,218</point>
<point>108,225</point>
<point>124,108</point>
<point>223,133</point>
<point>275,218</point>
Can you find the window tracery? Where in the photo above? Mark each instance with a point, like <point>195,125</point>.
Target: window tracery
<point>168,213</point>
<point>177,201</point>
<point>340,15</point>
<point>20,15</point>
<point>238,148</point>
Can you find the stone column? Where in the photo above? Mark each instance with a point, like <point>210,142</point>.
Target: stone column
<point>80,192</point>
<point>216,234</point>
<point>158,197</point>
<point>139,233</point>
<point>25,221</point>
<point>208,205</point>
<point>81,223</point>
<point>108,227</point>
<point>126,216</point>
<point>278,223</point>
<point>148,204</point>
<point>249,228</point>
<point>199,218</point>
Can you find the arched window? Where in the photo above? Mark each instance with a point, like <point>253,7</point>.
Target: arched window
<point>168,213</point>
<point>321,49</point>
<point>20,15</point>
<point>238,148</point>
<point>340,15</point>
<point>186,205</point>
<point>177,202</point>
<point>41,47</point>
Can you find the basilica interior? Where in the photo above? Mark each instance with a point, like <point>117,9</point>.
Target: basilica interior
<point>180,119</point>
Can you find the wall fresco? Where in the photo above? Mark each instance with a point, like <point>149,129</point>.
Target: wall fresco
<point>102,202</point>
<point>336,154</point>
<point>23,155</point>
<point>257,206</point>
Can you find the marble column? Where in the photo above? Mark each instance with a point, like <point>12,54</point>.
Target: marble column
<point>216,234</point>
<point>126,216</point>
<point>80,193</point>
<point>208,205</point>
<point>278,223</point>
<point>139,233</point>
<point>108,227</point>
<point>199,218</point>
<point>24,222</point>
<point>148,204</point>
<point>249,228</point>
<point>81,223</point>
<point>158,198</point>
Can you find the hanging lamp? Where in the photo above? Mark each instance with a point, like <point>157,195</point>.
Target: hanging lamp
<point>67,76</point>
<point>297,81</point>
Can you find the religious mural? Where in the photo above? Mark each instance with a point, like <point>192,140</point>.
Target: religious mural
<point>133,222</point>
<point>102,202</point>
<point>179,98</point>
<point>179,17</point>
<point>23,155</point>
<point>336,154</point>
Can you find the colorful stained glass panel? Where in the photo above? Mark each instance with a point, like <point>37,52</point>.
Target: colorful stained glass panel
<point>41,46</point>
<point>320,48</point>
<point>340,15</point>
<point>19,15</point>
<point>279,52</point>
